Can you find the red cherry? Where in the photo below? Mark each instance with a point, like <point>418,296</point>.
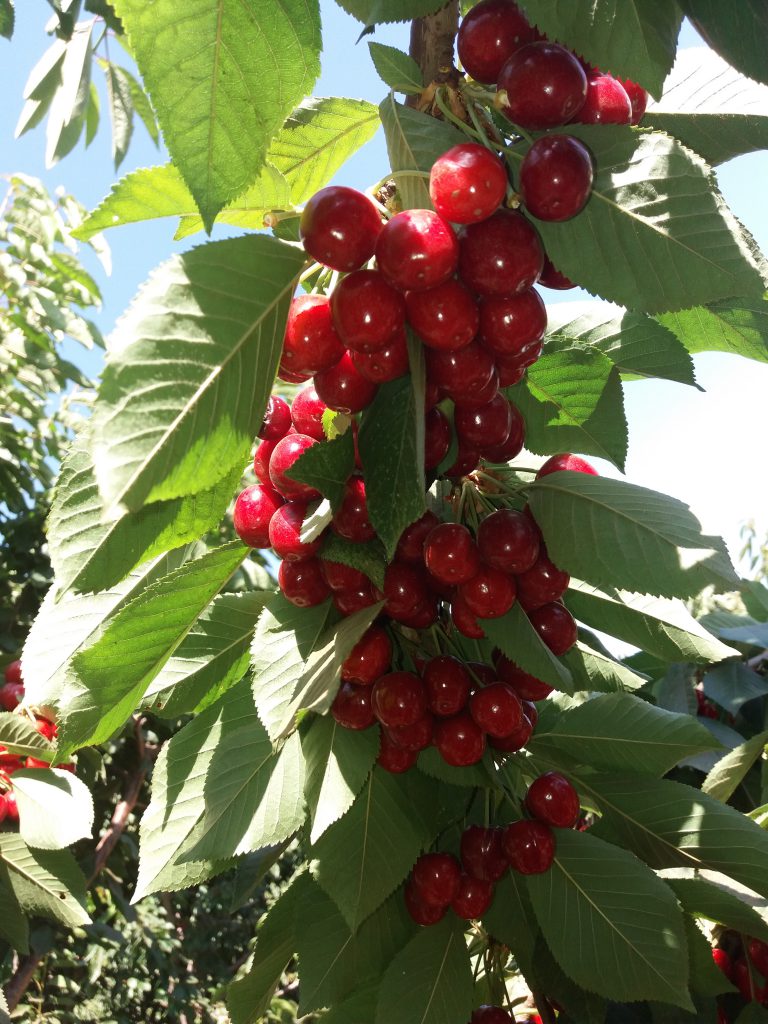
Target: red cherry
<point>502,255</point>
<point>352,707</point>
<point>574,463</point>
<point>497,710</point>
<point>552,278</point>
<point>482,854</point>
<point>414,737</point>
<point>447,684</point>
<point>494,1015</point>
<point>444,317</point>
<point>509,323</point>
<point>508,541</point>
<point>351,518</point>
<point>11,810</point>
<point>399,698</point>
<point>342,577</point>
<point>387,363</point>
<point>514,442</point>
<point>485,426</point>
<point>354,599</point>
<point>423,616</point>
<point>724,962</point>
<point>423,913</point>
<point>516,740</point>
<point>339,227</point>
<point>343,388</point>
<point>410,547</point>
<point>758,954</point>
<point>469,369</point>
<point>436,878</point>
<point>489,594</point>
<point>9,763</point>
<point>33,762</point>
<point>292,378</point>
<point>405,590</point>
<point>284,455</point>
<point>556,627</point>
<point>11,695</point>
<point>437,437</point>
<point>607,102</point>
<point>302,582</point>
<point>277,419</point>
<point>417,249</point>
<point>556,177</point>
<point>552,799</point>
<point>751,991</point>
<point>467,183</point>
<point>471,394</point>
<point>488,35</point>
<point>370,658</point>
<point>525,686</point>
<point>46,727</point>
<point>285,533</point>
<point>450,554</point>
<point>459,739</point>
<point>311,343</point>
<point>482,674</point>
<point>465,620</point>
<point>253,512</point>
<point>529,846</point>
<point>531,712</point>
<point>12,672</point>
<point>467,460</point>
<point>545,86</point>
<point>638,97</point>
<point>542,583</point>
<point>473,898</point>
<point>367,310</point>
<point>261,458</point>
<point>307,413</point>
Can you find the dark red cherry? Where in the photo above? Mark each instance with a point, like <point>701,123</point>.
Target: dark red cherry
<point>414,737</point>
<point>437,437</point>
<point>466,372</point>
<point>513,444</point>
<point>489,594</point>
<point>307,413</point>
<point>417,249</point>
<point>352,707</point>
<point>311,343</point>
<point>464,619</point>
<point>574,463</point>
<point>436,877</point>
<point>556,627</point>
<point>399,698</point>
<point>484,426</point>
<point>638,97</point>
<point>545,86</point>
<point>387,363</point>
<point>495,1015</point>
<point>450,554</point>
<point>607,102</point>
<point>724,962</point>
<point>482,854</point>
<point>277,419</point>
<point>393,758</point>
<point>552,799</point>
<point>508,323</point>
<point>529,846</point>
<point>472,394</point>
<point>482,674</point>
<point>343,388</point>
<point>351,518</point>
<point>542,583</point>
<point>302,582</point>
<point>423,615</point>
<point>367,310</point>
<point>342,577</point>
<point>552,278</point>
<point>488,35</point>
<point>261,458</point>
<point>516,740</point>
<point>284,455</point>
<point>339,227</point>
<point>502,255</point>
<point>405,590</point>
<point>12,672</point>
<point>444,317</point>
<point>354,599</point>
<point>556,177</point>
<point>370,658</point>
<point>508,541</point>
<point>473,898</point>
<point>467,460</point>
<point>467,183</point>
<point>421,911</point>
<point>11,695</point>
<point>253,513</point>
<point>459,739</point>
<point>285,533</point>
<point>410,547</point>
<point>497,710</point>
<point>758,954</point>
<point>447,684</point>
<point>525,686</point>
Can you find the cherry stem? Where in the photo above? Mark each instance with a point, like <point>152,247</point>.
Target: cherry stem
<point>449,115</point>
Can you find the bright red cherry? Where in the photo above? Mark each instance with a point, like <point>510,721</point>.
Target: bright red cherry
<point>607,102</point>
<point>497,710</point>
<point>11,695</point>
<point>46,727</point>
<point>436,877</point>
<point>508,541</point>
<point>12,672</point>
<point>290,377</point>
<point>545,86</point>
<point>423,913</point>
<point>459,739</point>
<point>352,707</point>
<point>552,278</point>
<point>11,809</point>
<point>417,249</point>
<point>448,685</point>
<point>513,444</point>
<point>484,426</point>
<point>9,763</point>
<point>516,740</point>
<point>488,35</point>
<point>387,363</point>
<point>444,317</point>
<point>399,698</point>
<point>525,686</point>
<point>354,599</point>
<point>502,255</point>
<point>414,737</point>
<point>542,583</point>
<point>552,799</point>
<point>253,513</point>
<point>351,518</point>
<point>285,533</point>
<point>342,577</point>
<point>758,954</point>
<point>343,388</point>
<point>529,846</point>
<point>339,227</point>
<point>474,897</point>
<point>367,310</point>
<point>450,554</point>
<point>574,463</point>
<point>370,658</point>
<point>437,437</point>
<point>510,322</point>
<point>307,413</point>
<point>467,372</point>
<point>556,177</point>
<point>489,594</point>
<point>261,458</point>
<point>467,183</point>
<point>482,854</point>
<point>302,582</point>
<point>723,961</point>
<point>284,455</point>
<point>750,991</point>
<point>493,1015</point>
<point>638,97</point>
<point>556,627</point>
<point>311,343</point>
<point>277,419</point>
<point>410,547</point>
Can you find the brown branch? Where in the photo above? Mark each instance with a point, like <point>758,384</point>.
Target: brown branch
<point>432,40</point>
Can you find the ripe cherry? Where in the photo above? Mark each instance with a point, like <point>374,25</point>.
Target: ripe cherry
<point>351,518</point>
<point>367,310</point>
<point>12,672</point>
<point>352,707</point>
<point>574,463</point>
<point>450,554</point>
<point>542,583</point>
<point>387,363</point>
<point>285,533</point>
<point>339,227</point>
<point>447,684</point>
<point>502,255</point>
<point>516,740</point>
<point>556,177</point>
<point>399,698</point>
<point>302,582</point>
<point>437,437</point>
<point>417,249</point>
<point>556,627</point>
<point>552,799</point>
<point>343,388</point>
<point>284,455</point>
<point>468,371</point>
<point>607,102</point>
<point>494,1015</point>
<point>489,594</point>
<point>253,513</point>
<point>9,763</point>
<point>410,547</point>
<point>758,954</point>
<point>444,317</point>
<point>414,737</point>
<point>11,695</point>
<point>354,599</point>
<point>513,444</point>
<point>551,277</point>
<point>482,674</point>
<point>464,619</point>
<point>529,846</point>
<point>638,97</point>
<point>508,541</point>
<point>467,460</point>
<point>393,758</point>
<point>277,419</point>
<point>307,413</point>
<point>342,577</point>
<point>482,854</point>
<point>545,86</point>
<point>11,808</point>
<point>749,989</point>
<point>723,961</point>
<point>474,897</point>
<point>261,458</point>
<point>311,343</point>
<point>467,183</point>
<point>484,426</point>
<point>509,323</point>
<point>406,589</point>
<point>423,913</point>
<point>423,615</point>
<point>497,710</point>
<point>370,658</point>
<point>488,35</point>
<point>525,686</point>
<point>436,877</point>
<point>459,739</point>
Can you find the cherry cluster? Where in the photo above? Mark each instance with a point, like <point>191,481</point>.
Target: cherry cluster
<point>750,959</point>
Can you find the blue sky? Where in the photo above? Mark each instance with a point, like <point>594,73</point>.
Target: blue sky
<point>706,449</point>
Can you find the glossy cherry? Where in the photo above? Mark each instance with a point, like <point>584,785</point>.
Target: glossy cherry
<point>367,310</point>
<point>399,698</point>
<point>447,684</point>
<point>526,686</point>
<point>343,388</point>
<point>307,410</point>
<point>474,897</point>
<point>566,461</point>
<point>437,437</point>
<point>351,518</point>
<point>545,86</point>
<point>459,739</point>
<point>302,582</point>
<point>284,455</point>
<point>444,317</point>
<point>261,458</point>
<point>516,740</point>
<point>285,533</point>
<point>467,460</point>
<point>466,372</point>
<point>339,227</point>
<point>393,758</point>
<point>410,547</point>
<point>489,34</point>
<point>352,707</point>
<point>421,911</point>
<point>489,594</point>
<point>342,577</point>
<point>529,846</point>
<point>353,599</point>
<point>556,177</point>
<point>509,323</point>
<point>370,658</point>
<point>467,183</point>
<point>551,277</point>
<point>508,541</point>
<point>497,710</point>
<point>482,854</point>
<point>436,877</point>
<point>386,363</point>
<point>464,619</point>
<point>607,102</point>
<point>417,249</point>
<point>450,554</point>
<point>414,737</point>
<point>277,419</point>
<point>556,627</point>
<point>502,255</point>
<point>311,343</point>
<point>638,97</point>
<point>723,961</point>
<point>252,514</point>
<point>484,426</point>
<point>542,583</point>
<point>406,588</point>
<point>11,695</point>
<point>552,799</point>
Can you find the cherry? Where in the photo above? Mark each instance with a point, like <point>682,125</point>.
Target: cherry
<point>46,727</point>
<point>285,533</point>
<point>552,799</point>
<point>545,86</point>
<point>497,710</point>
<point>423,615</point>
<point>468,370</point>
<point>3,810</point>
<point>277,419</point>
<point>723,961</point>
<point>417,249</point>
<point>467,460</point>
<point>444,317</point>
<point>405,590</point>
<point>493,1015</point>
<point>482,854</point>
<point>556,177</point>
<point>525,686</point>
<point>474,897</point>
<point>370,658</point>
<point>489,594</point>
<point>339,227</point>
<point>414,737</point>
<point>447,684</point>
<point>284,455</point>
<point>465,620</point>
<point>342,577</point>
<point>387,363</point>
<point>436,878</point>
<point>352,707</point>
<point>11,809</point>
<point>484,426</point>
<point>437,437</point>
<point>367,310</point>
<point>347,602</point>
<point>566,461</point>
<point>399,698</point>
<point>423,913</point>
<point>552,278</point>
<point>516,740</point>
<point>508,323</point>
<point>638,97</point>
<point>410,547</point>
<point>542,583</point>
<point>253,513</point>
<point>459,739</point>
<point>471,393</point>
<point>311,343</point>
<point>292,378</point>
<point>9,763</point>
<point>502,255</point>
<point>531,712</point>
<point>343,388</point>
<point>508,541</point>
<point>482,674</point>
<point>307,413</point>
<point>11,695</point>
<point>749,991</point>
<point>261,458</point>
<point>12,672</point>
<point>556,627</point>
<point>607,102</point>
<point>514,443</point>
<point>510,372</point>
<point>303,583</point>
<point>450,554</point>
<point>529,846</point>
<point>488,35</point>
<point>351,518</point>
<point>758,954</point>
<point>467,183</point>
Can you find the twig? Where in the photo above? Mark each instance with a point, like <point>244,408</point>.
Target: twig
<point>432,40</point>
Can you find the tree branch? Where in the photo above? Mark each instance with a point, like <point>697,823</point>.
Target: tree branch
<point>432,41</point>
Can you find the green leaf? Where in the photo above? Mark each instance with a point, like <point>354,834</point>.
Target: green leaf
<point>297,657</point>
<point>510,919</point>
<point>414,142</point>
<point>431,763</point>
<point>391,442</point>
<point>738,326</point>
<point>55,808</point>
<point>612,533</point>
<point>361,1005</point>
<point>635,39</point>
<point>338,763</point>
<point>268,191</point>
<point>429,981</point>
<point>702,898</point>
<point>42,84</point>
<point>327,466</point>
<point>377,840</point>
<point>367,556</point>
<point>7,19</point>
<point>573,401</point>
<point>514,635</point>
<point>736,35</point>
<point>120,97</point>
<point>372,12</point>
<point>620,732</point>
<point>114,671</point>
<point>68,107</point>
<point>730,771</point>
<point>220,102</point>
<point>19,736</point>
<point>665,629</point>
<point>396,69</point>
<point>731,684</point>
<point>659,248</point>
<point>753,1013</point>
<point>706,978</point>
<point>206,333</point>
<point>672,825</point>
<point>594,670</point>
<point>14,927</point>
<point>92,115</point>
<point>620,907</point>
<point>45,882</point>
